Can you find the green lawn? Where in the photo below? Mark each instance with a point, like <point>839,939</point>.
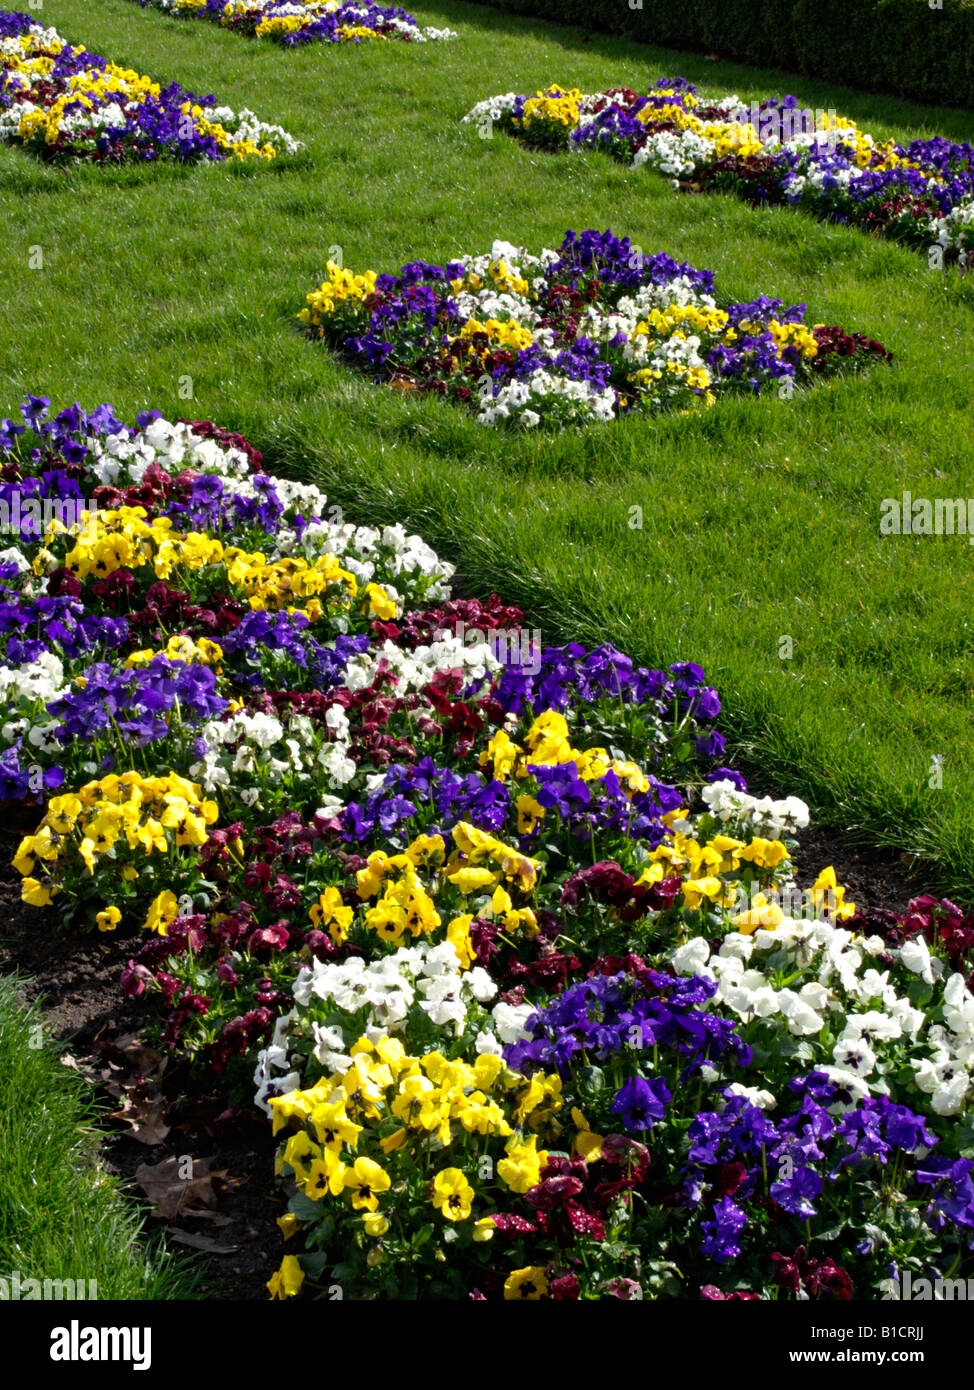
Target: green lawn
<point>761,518</point>
<point>62,1217</point>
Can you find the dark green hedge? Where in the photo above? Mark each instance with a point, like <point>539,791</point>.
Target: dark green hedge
<point>899,46</point>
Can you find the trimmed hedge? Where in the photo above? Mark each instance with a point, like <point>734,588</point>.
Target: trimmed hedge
<point>904,47</point>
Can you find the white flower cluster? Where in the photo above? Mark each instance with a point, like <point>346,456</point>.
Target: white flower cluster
<point>946,1075</point>
<point>33,682</point>
<point>13,556</point>
<point>761,815</point>
<point>491,110</point>
<point>955,231</point>
<point>414,670</point>
<point>420,980</point>
<point>243,125</point>
<point>264,749</point>
<point>675,152</point>
<point>814,179</point>
<point>123,458</point>
<point>846,992</point>
<point>550,396</point>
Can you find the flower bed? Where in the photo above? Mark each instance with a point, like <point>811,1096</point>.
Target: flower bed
<point>293,22</point>
<point>64,103</point>
<point>773,152</point>
<point>522,976</point>
<point>589,332</point>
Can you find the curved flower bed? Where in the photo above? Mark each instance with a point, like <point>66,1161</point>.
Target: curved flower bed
<point>591,331</point>
<point>64,103</point>
<point>522,977</point>
<point>771,152</point>
<point>293,22</point>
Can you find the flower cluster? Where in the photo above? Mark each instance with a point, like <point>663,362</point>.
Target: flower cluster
<point>770,152</point>
<point>64,103</point>
<point>586,333</point>
<point>523,975</point>
<point>293,22</point>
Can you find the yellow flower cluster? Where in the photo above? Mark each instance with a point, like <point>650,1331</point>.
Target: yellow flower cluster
<point>150,813</point>
<point>279,583</point>
<point>396,1100</point>
<point>701,865</point>
<point>728,137</point>
<point>784,334</point>
<point>358,31</point>
<point>675,319</point>
<point>505,279</point>
<point>553,105</point>
<point>826,895</point>
<point>479,862</point>
<point>428,1096</point>
<point>503,334</point>
<point>340,287</point>
<point>500,276</point>
<point>124,539</point>
<point>277,24</point>
<point>468,868</point>
<point>181,648</point>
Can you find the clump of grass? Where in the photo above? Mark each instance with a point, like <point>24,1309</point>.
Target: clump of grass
<point>62,1216</point>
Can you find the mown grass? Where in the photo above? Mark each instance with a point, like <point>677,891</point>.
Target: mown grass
<point>760,517</point>
<point>62,1216</point>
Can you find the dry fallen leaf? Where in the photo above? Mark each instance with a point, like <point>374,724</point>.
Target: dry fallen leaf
<point>144,1114</point>
<point>147,1061</point>
<point>173,1195</point>
<point>90,1075</point>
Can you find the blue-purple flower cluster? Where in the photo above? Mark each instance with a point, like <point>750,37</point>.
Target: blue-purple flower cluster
<point>598,1018</point>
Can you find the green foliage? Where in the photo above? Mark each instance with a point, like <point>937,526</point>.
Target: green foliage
<point>913,48</point>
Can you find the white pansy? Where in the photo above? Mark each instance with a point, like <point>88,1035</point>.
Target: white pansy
<point>691,958</point>
<point>755,1095</point>
<point>916,957</point>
